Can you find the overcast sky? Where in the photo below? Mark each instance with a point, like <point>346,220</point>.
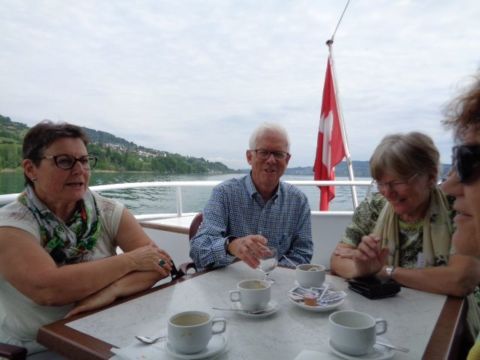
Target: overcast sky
<point>195,77</point>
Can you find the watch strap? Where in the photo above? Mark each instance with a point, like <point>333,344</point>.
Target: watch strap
<point>228,241</point>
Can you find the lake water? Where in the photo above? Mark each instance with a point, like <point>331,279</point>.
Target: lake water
<point>163,200</point>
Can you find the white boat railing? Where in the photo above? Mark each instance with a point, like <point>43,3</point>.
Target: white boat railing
<point>179,185</point>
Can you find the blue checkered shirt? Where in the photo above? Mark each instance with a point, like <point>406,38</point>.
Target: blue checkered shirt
<point>236,209</point>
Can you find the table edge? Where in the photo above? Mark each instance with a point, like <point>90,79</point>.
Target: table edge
<point>443,342</point>
<point>448,331</point>
<point>90,348</point>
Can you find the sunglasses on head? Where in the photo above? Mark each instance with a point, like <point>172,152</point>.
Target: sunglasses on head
<point>466,160</point>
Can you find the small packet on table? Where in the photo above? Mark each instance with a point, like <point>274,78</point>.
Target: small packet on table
<point>323,295</point>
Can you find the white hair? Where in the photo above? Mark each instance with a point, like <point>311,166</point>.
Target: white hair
<point>265,128</point>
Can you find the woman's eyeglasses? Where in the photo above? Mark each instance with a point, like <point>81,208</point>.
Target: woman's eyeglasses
<point>466,161</point>
<point>67,162</point>
<point>395,185</point>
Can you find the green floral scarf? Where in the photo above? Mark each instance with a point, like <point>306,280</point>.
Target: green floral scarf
<point>67,243</point>
<point>437,231</point>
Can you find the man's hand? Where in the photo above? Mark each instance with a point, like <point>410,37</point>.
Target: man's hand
<point>248,249</point>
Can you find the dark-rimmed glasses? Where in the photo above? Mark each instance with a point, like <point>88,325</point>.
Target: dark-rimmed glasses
<point>394,185</point>
<point>466,161</point>
<point>67,162</point>
<point>264,154</point>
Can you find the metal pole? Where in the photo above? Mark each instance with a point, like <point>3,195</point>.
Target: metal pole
<point>179,201</point>
<point>342,128</point>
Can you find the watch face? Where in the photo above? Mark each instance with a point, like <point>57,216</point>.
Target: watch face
<point>389,270</point>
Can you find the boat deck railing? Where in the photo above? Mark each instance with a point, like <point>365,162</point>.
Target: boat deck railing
<point>179,185</point>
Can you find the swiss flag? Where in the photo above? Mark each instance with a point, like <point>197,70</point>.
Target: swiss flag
<point>330,149</point>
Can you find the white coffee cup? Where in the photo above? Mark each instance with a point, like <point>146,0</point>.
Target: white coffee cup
<point>252,294</point>
<point>190,331</point>
<point>353,332</point>
<point>310,275</point>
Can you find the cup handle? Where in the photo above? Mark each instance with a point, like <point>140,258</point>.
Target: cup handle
<point>234,295</point>
<point>219,321</point>
<point>383,327</point>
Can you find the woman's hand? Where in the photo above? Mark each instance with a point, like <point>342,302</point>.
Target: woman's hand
<point>369,248</point>
<point>149,258</point>
<point>344,251</point>
<point>369,257</point>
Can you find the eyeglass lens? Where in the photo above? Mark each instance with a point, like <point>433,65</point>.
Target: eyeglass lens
<point>466,159</point>
<point>67,162</point>
<point>265,154</point>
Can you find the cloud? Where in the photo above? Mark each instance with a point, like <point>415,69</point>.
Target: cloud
<point>196,77</point>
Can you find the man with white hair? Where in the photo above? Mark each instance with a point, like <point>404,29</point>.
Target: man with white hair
<point>245,215</point>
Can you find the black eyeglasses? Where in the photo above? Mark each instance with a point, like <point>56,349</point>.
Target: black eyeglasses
<point>67,162</point>
<point>466,161</point>
<point>264,154</point>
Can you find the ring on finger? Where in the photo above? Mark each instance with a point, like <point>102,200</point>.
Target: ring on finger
<point>161,262</point>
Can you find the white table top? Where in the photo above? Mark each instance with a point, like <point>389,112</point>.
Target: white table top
<point>411,316</point>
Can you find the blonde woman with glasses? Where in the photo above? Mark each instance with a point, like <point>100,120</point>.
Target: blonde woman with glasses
<point>407,225</point>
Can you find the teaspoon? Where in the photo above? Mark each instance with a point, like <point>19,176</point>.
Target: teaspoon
<point>253,312</point>
<point>148,339</point>
<point>393,347</point>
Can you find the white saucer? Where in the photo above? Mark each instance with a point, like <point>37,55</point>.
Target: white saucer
<point>216,345</point>
<point>378,352</point>
<point>296,283</point>
<point>272,308</point>
<point>316,308</point>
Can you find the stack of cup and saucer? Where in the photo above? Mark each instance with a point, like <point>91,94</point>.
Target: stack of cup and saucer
<point>252,298</point>
<point>195,335</point>
<point>311,292</point>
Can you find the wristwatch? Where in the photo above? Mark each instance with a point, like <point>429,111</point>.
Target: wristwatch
<point>389,270</point>
<point>228,240</point>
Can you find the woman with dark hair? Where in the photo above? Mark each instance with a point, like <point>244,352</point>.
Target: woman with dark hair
<point>464,184</point>
<point>58,240</point>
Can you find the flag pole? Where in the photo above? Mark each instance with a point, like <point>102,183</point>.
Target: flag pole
<point>343,130</point>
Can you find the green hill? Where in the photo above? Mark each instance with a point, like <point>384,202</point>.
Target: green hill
<point>114,153</point>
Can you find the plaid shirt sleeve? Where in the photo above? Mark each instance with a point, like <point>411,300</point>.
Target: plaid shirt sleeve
<point>207,248</point>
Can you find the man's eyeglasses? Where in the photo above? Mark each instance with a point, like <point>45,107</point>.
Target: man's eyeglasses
<point>394,185</point>
<point>466,161</point>
<point>67,162</point>
<point>265,154</point>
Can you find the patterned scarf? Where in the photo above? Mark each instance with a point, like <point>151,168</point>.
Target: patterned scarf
<point>66,243</point>
<point>437,231</point>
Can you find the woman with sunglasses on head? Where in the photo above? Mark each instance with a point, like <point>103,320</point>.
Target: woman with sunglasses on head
<point>407,225</point>
<point>58,240</point>
<point>463,183</point>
